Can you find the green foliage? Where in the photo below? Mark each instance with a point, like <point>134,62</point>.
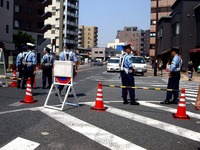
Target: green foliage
<point>21,38</point>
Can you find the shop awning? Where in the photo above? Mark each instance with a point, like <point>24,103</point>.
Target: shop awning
<point>197,50</point>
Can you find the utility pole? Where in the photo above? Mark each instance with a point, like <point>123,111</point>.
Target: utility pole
<point>156,44</point>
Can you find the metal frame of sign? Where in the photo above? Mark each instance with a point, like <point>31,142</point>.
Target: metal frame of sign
<point>3,62</point>
<point>65,78</point>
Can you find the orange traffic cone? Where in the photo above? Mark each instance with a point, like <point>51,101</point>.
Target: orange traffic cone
<point>29,95</point>
<point>181,111</point>
<point>99,105</point>
<point>14,80</point>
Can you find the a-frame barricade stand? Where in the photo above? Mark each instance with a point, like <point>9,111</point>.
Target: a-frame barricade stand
<point>63,75</point>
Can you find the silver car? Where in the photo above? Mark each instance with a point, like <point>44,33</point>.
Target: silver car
<point>139,64</point>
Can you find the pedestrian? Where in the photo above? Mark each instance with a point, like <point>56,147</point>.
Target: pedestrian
<point>19,65</point>
<point>68,55</point>
<point>174,78</point>
<point>190,70</point>
<point>29,63</point>
<point>127,77</point>
<point>47,67</point>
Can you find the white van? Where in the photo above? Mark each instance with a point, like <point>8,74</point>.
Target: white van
<point>113,64</point>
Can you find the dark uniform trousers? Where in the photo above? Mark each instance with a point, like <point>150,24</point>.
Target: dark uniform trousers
<point>28,73</point>
<point>20,69</point>
<point>173,83</point>
<point>47,73</point>
<point>128,80</point>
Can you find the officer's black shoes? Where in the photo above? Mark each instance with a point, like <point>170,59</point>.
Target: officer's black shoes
<point>125,102</point>
<point>134,103</point>
<point>175,101</point>
<point>165,102</point>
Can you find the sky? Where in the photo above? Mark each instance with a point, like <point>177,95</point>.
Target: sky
<point>112,15</point>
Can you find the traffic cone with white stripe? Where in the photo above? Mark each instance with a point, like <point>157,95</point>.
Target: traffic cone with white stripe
<point>14,79</point>
<point>99,105</point>
<point>181,111</point>
<point>29,95</point>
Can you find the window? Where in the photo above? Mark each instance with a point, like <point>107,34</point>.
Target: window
<point>29,11</point>
<point>28,25</point>
<point>153,22</point>
<point>161,32</point>
<point>152,34</point>
<point>88,29</point>
<point>17,8</point>
<point>176,29</point>
<point>7,5</point>
<point>96,52</point>
<point>17,23</point>
<point>7,29</point>
<point>100,52</point>
<point>88,42</point>
<point>2,3</point>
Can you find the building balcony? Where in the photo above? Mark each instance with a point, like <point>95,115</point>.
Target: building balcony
<point>46,2</point>
<point>72,23</point>
<point>71,32</point>
<point>72,14</point>
<point>46,15</point>
<point>46,28</point>
<point>72,5</point>
<point>71,41</point>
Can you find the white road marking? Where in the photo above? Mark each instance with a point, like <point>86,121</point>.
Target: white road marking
<point>191,99</point>
<point>17,110</point>
<point>188,92</point>
<point>20,144</point>
<point>179,131</point>
<point>191,95</point>
<point>99,135</point>
<point>15,104</point>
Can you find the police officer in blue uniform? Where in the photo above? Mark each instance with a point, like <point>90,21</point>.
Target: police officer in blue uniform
<point>29,63</point>
<point>174,78</point>
<point>127,76</point>
<point>19,65</point>
<point>68,55</point>
<point>47,66</point>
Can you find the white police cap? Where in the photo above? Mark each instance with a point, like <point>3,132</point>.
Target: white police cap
<point>30,44</point>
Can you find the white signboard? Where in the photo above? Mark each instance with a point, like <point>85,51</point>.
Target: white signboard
<point>2,63</point>
<point>63,69</point>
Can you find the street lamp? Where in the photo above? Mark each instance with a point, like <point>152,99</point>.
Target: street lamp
<point>156,41</point>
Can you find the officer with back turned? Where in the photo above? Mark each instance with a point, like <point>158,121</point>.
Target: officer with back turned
<point>47,66</point>
<point>174,78</point>
<point>29,63</point>
<point>19,64</point>
<point>68,55</point>
<point>127,76</point>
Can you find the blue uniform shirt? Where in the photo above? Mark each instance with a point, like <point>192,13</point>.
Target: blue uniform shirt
<point>176,64</point>
<point>19,59</point>
<point>128,61</point>
<point>68,56</point>
<point>30,58</point>
<point>45,58</point>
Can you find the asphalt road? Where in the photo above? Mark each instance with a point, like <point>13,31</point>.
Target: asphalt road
<point>148,126</point>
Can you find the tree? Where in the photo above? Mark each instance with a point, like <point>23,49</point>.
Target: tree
<point>21,38</point>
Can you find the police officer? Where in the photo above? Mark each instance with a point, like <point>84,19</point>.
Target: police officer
<point>29,63</point>
<point>127,76</point>
<point>68,55</point>
<point>19,64</point>
<point>174,78</point>
<point>47,66</point>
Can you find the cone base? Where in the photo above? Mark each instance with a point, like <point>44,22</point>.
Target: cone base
<point>101,109</point>
<point>181,117</point>
<point>34,101</point>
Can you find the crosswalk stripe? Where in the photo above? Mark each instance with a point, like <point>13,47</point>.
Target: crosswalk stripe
<point>191,95</point>
<point>20,144</point>
<point>188,92</point>
<point>99,135</point>
<point>191,99</point>
<point>186,133</point>
<point>168,109</point>
<point>192,90</point>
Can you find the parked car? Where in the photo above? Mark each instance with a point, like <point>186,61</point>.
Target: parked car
<point>96,63</point>
<point>139,65</point>
<point>113,64</point>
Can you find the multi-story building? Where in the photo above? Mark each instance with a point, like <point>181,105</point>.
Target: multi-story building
<point>133,36</point>
<point>88,36</point>
<point>29,17</point>
<point>164,9</point>
<point>103,53</point>
<point>146,42</point>
<point>64,24</point>
<point>6,30</point>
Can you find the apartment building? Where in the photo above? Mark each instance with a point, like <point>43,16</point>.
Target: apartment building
<point>133,36</point>
<point>164,9</point>
<point>29,17</point>
<point>64,24</point>
<point>87,36</point>
<point>6,30</point>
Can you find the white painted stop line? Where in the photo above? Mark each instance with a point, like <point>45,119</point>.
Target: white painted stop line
<point>20,144</point>
<point>99,135</point>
